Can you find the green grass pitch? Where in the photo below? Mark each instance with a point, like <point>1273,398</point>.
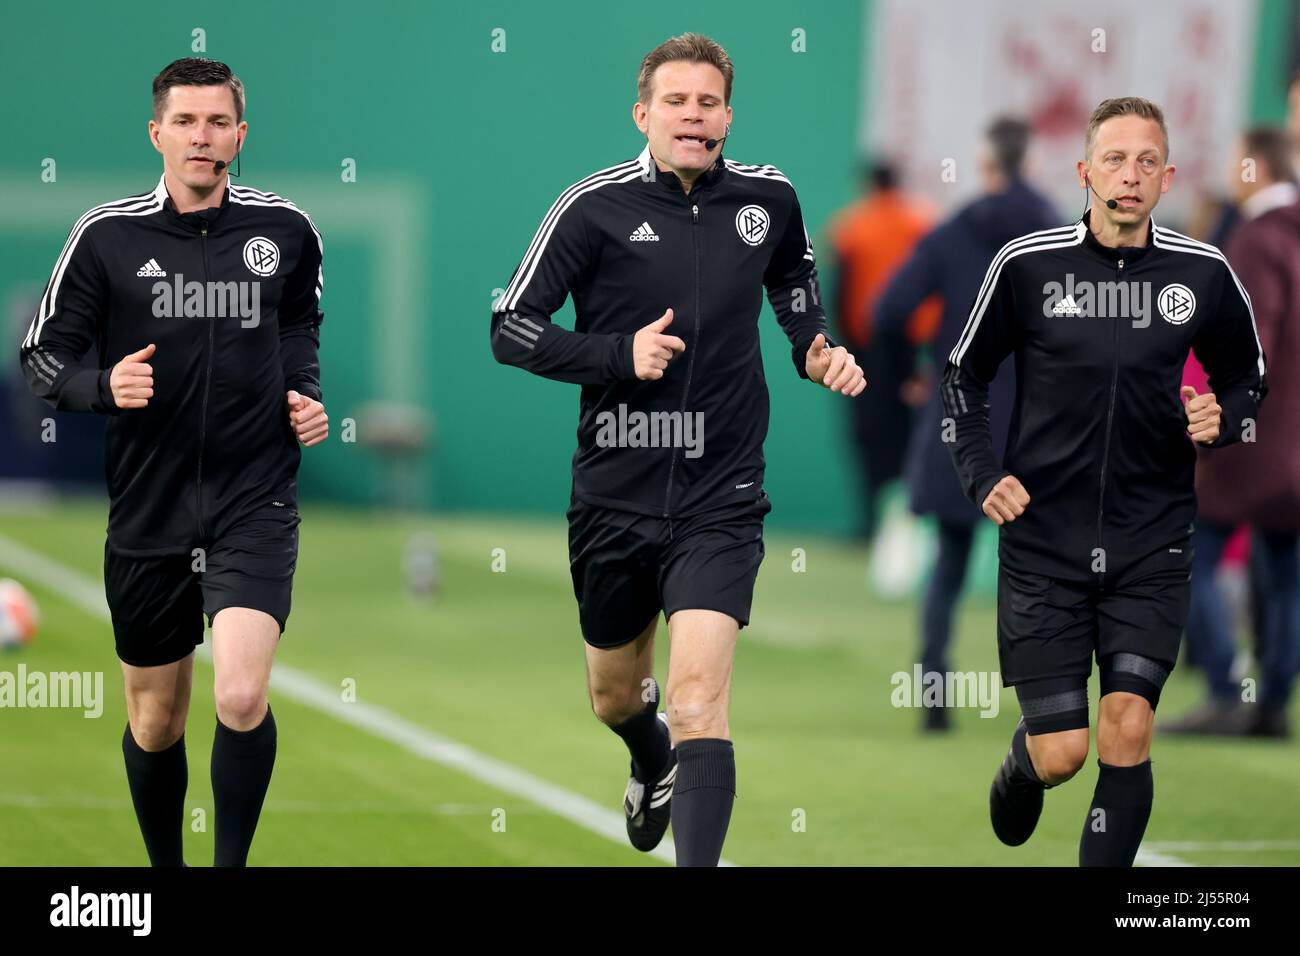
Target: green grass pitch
<point>496,663</point>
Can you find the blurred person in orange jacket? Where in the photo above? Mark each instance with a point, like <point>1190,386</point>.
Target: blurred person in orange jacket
<point>870,239</point>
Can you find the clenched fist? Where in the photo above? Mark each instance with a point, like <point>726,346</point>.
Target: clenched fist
<point>131,380</point>
<point>308,418</point>
<point>1006,501</point>
<point>652,350</point>
<point>834,367</point>
<point>1202,414</point>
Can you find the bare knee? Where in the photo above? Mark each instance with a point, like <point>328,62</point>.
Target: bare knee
<point>1058,757</point>
<point>157,702</point>
<point>156,726</point>
<point>1124,730</point>
<point>696,709</point>
<point>613,703</point>
<point>241,705</point>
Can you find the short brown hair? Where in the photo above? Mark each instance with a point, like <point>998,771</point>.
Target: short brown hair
<point>1270,147</point>
<point>691,48</point>
<point>1124,106</point>
<point>196,71</point>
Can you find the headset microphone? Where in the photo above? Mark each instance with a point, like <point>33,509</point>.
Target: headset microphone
<point>1110,203</point>
<point>221,164</point>
<point>710,143</point>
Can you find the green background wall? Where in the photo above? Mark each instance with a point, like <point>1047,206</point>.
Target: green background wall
<point>477,145</point>
<point>459,153</point>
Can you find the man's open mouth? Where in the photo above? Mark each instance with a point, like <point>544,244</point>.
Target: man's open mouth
<point>691,138</point>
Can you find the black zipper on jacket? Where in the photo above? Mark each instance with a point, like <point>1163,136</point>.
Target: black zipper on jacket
<point>695,346</point>
<point>1110,417</point>
<point>207,381</point>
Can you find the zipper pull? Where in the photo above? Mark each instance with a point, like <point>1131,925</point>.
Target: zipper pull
<point>695,213</point>
<point>1121,263</point>
<point>204,232</point>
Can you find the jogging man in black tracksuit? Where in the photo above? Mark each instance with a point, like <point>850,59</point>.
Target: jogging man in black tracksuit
<point>201,301</point>
<point>1095,497</point>
<point>666,257</point>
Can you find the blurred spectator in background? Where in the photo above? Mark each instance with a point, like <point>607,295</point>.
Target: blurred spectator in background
<point>952,262</point>
<point>1256,483</point>
<point>870,239</point>
<point>1214,217</point>
<point>1293,122</point>
<point>1217,216</point>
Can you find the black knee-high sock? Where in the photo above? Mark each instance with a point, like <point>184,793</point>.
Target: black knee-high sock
<point>702,797</point>
<point>646,737</point>
<point>1020,750</point>
<point>1123,796</point>
<point>241,772</point>
<point>158,780</point>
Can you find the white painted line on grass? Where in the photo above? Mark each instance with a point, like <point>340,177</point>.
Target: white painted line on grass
<point>1146,856</point>
<point>1229,846</point>
<point>307,690</point>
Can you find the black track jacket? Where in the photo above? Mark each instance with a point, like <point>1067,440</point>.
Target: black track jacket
<point>214,443</point>
<point>1098,433</point>
<point>628,243</point>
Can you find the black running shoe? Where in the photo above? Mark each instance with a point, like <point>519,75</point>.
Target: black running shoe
<point>1015,802</point>
<point>649,806</point>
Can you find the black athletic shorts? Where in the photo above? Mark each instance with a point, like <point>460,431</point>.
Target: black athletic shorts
<point>628,567</point>
<point>158,603</point>
<point>1050,629</point>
